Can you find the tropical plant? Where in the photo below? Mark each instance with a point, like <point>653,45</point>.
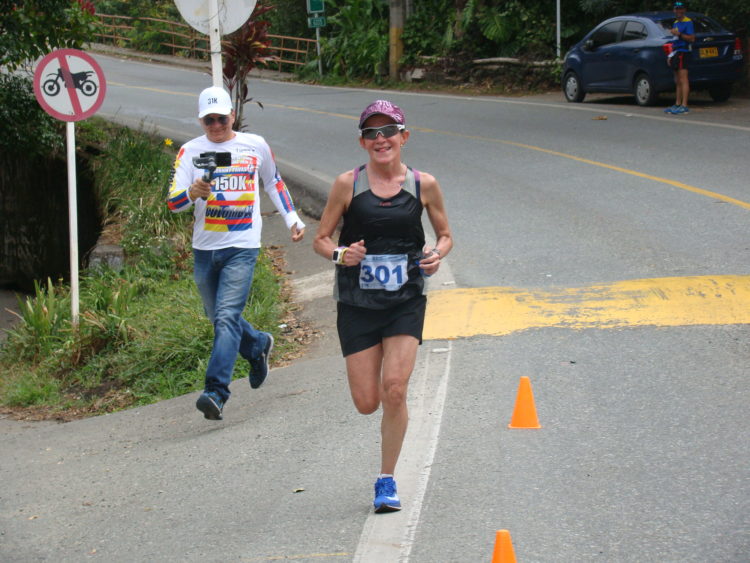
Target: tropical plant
<point>44,317</point>
<point>357,43</point>
<point>165,9</point>
<point>426,29</point>
<point>33,28</point>
<point>41,134</point>
<point>290,19</point>
<point>243,50</point>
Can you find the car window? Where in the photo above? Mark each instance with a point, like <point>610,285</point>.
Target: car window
<point>702,24</point>
<point>634,30</point>
<point>707,25</point>
<point>607,34</point>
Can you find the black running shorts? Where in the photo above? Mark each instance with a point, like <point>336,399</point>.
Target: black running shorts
<point>360,329</point>
<point>680,60</point>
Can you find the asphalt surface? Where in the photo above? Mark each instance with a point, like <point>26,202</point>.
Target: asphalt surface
<point>281,477</point>
<point>160,483</point>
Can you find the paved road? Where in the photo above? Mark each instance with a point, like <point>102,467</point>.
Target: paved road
<point>642,455</point>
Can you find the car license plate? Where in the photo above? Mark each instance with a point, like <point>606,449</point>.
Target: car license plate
<point>708,52</point>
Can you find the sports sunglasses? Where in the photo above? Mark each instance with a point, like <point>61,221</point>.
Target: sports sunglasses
<point>387,131</point>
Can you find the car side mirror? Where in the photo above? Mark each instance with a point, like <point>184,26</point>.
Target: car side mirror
<point>589,45</point>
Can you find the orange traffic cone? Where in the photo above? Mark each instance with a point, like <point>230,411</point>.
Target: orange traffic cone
<point>503,548</point>
<point>524,413</point>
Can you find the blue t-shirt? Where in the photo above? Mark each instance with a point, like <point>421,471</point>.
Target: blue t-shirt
<point>685,27</point>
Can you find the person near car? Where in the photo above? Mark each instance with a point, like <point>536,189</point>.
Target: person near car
<point>226,236</point>
<point>683,31</point>
<point>381,260</point>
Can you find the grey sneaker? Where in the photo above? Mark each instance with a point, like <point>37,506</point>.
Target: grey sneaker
<point>259,366</point>
<point>210,404</point>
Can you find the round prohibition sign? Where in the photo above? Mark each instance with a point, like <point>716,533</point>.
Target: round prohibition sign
<point>69,85</point>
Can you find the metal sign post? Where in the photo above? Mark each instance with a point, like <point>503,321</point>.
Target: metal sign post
<point>317,48</point>
<point>70,134</point>
<point>558,29</point>
<point>70,86</point>
<point>214,35</point>
<point>216,18</point>
<point>316,18</point>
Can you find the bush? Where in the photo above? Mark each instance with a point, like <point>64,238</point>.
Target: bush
<point>357,43</point>
<point>40,133</point>
<point>142,335</point>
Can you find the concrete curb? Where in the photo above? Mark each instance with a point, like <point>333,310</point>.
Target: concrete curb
<point>309,188</point>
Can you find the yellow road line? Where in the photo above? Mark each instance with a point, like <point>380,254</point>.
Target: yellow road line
<point>658,179</point>
<point>674,183</point>
<point>680,185</point>
<point>148,88</point>
<point>497,311</point>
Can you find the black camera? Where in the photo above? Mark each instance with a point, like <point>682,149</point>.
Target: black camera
<point>209,161</point>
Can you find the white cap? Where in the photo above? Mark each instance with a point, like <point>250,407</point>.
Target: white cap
<point>214,100</point>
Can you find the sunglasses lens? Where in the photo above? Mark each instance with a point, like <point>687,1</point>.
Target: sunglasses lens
<point>387,131</point>
<point>223,119</point>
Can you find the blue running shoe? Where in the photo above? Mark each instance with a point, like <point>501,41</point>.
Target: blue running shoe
<point>681,109</point>
<point>210,404</point>
<point>386,498</point>
<point>671,109</point>
<point>259,366</point>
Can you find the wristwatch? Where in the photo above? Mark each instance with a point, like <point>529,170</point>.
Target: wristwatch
<point>338,254</point>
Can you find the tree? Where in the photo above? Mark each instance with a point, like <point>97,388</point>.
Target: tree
<point>32,28</point>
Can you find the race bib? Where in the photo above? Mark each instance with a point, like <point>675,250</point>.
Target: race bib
<point>383,271</point>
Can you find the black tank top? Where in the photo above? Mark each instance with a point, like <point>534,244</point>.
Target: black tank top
<point>394,238</point>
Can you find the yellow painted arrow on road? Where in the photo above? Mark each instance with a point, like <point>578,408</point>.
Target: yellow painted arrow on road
<point>497,311</point>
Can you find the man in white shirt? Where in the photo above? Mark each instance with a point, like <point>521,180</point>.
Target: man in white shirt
<point>226,236</point>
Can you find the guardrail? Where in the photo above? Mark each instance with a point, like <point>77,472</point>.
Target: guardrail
<point>176,38</point>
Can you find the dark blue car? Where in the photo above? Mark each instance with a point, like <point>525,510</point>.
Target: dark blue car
<point>628,54</point>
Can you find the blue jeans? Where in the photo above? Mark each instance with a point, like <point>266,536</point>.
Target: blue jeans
<point>224,278</point>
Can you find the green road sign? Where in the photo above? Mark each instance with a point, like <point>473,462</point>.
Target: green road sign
<point>317,21</point>
<point>314,6</point>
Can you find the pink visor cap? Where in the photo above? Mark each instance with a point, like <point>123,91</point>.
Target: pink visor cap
<point>382,107</point>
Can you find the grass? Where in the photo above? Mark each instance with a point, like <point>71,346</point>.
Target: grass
<point>142,335</point>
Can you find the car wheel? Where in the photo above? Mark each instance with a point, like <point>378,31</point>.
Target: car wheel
<point>720,93</point>
<point>572,88</point>
<point>644,91</point>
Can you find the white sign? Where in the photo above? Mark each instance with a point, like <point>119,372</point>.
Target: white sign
<point>231,13</point>
<point>216,18</point>
<point>69,85</point>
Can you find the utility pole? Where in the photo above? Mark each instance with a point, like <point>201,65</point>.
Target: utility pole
<point>395,45</point>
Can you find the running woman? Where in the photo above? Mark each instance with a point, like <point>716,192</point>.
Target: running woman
<point>381,260</point>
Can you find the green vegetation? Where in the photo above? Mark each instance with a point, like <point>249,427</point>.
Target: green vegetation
<point>33,28</point>
<point>243,50</point>
<point>142,335</point>
<point>445,36</point>
<point>357,43</point>
<point>41,134</point>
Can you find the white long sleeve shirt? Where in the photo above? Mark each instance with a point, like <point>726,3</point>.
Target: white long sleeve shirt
<point>230,216</point>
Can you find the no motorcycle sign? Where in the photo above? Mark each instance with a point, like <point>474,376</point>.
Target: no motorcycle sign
<point>69,85</point>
